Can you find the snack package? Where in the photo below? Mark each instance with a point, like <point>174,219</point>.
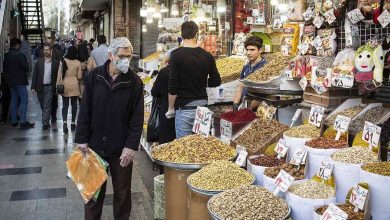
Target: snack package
<point>344,63</point>
<point>328,39</point>
<point>290,37</point>
<point>308,36</point>
<point>297,12</point>
<point>300,66</point>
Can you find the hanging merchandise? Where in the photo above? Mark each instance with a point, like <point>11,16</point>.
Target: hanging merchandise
<point>382,15</point>
<point>342,74</point>
<point>290,38</point>
<point>328,42</point>
<point>298,8</point>
<point>308,35</point>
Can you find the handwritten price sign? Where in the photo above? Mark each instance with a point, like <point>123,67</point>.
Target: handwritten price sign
<point>281,148</point>
<point>226,128</point>
<point>326,169</point>
<point>316,115</point>
<point>342,123</point>
<point>343,81</point>
<point>299,157</point>
<point>334,213</point>
<point>371,133</point>
<point>283,181</point>
<point>202,123</point>
<point>358,197</point>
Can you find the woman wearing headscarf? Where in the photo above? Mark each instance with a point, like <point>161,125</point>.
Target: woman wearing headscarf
<point>69,74</point>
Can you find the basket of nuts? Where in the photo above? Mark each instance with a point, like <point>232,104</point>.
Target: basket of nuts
<point>347,208</point>
<point>192,152</point>
<point>305,195</point>
<point>346,168</point>
<point>249,203</point>
<point>320,149</point>
<point>258,163</point>
<point>377,176</point>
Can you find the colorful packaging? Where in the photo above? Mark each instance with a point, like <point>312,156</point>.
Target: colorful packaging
<point>291,37</point>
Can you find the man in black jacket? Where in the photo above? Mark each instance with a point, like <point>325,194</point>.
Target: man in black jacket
<point>15,67</point>
<point>110,123</point>
<point>44,83</point>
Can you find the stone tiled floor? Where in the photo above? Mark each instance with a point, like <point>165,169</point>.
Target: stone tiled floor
<point>33,184</point>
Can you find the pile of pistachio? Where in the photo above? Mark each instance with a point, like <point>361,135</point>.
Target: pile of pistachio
<point>380,168</point>
<point>303,131</point>
<point>230,68</point>
<point>355,155</point>
<point>273,67</point>
<point>220,175</point>
<point>311,189</point>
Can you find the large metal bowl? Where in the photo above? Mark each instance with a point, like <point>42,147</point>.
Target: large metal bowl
<point>216,217</point>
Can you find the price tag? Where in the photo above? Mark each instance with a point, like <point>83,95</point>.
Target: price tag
<point>316,115</point>
<point>358,197</point>
<point>325,171</point>
<point>341,125</point>
<point>317,42</point>
<point>241,159</point>
<point>329,16</point>
<point>303,48</point>
<point>281,148</point>
<point>299,157</point>
<point>371,134</point>
<point>355,16</point>
<point>283,181</point>
<point>343,81</point>
<point>303,83</point>
<point>226,128</point>
<point>308,14</point>
<point>202,122</point>
<point>225,139</point>
<point>318,21</point>
<point>384,18</point>
<point>288,74</point>
<point>295,117</point>
<point>267,48</point>
<point>334,213</point>
<point>319,88</point>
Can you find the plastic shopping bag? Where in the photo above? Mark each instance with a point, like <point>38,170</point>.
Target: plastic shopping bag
<point>88,173</point>
<point>153,123</point>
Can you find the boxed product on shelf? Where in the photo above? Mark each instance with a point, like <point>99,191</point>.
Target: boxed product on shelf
<point>258,135</point>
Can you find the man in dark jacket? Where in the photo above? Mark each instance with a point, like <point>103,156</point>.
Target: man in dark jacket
<point>15,67</point>
<point>44,83</point>
<point>110,123</point>
<point>58,55</point>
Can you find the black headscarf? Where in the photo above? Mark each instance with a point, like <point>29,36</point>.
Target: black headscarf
<point>83,51</point>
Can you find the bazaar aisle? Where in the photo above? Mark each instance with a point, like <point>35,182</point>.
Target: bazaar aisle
<point>33,184</point>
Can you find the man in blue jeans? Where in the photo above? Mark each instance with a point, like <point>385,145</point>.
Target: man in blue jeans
<point>192,70</point>
<point>15,67</point>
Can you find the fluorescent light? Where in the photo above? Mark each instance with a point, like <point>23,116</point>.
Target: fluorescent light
<point>164,8</point>
<point>144,28</point>
<point>143,11</point>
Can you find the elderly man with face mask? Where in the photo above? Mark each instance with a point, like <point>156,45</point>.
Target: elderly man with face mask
<point>110,123</point>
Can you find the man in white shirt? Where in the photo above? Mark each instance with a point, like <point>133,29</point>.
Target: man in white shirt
<point>100,54</point>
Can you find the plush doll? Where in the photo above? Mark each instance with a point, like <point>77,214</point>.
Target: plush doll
<point>379,62</point>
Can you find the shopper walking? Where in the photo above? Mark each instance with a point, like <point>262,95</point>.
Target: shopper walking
<point>100,54</point>
<point>57,55</point>
<point>44,83</point>
<point>15,67</point>
<point>253,46</point>
<point>192,70</point>
<point>69,74</point>
<point>110,123</point>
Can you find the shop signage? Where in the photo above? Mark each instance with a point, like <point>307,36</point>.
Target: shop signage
<point>358,197</point>
<point>202,123</point>
<point>371,134</point>
<point>316,115</point>
<point>334,213</point>
<point>325,171</point>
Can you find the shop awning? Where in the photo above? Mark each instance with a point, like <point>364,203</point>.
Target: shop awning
<point>94,4</point>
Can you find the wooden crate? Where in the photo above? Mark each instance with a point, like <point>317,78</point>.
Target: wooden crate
<point>331,98</point>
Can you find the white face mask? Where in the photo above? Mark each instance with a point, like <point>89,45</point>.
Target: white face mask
<point>123,65</point>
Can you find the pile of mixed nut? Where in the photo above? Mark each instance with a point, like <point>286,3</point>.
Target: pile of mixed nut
<point>303,131</point>
<point>311,189</point>
<point>354,155</point>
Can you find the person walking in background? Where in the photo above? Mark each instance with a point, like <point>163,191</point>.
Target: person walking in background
<point>5,99</point>
<point>57,55</point>
<point>110,123</point>
<point>15,68</point>
<point>44,83</point>
<point>83,53</point>
<point>192,70</point>
<point>69,74</point>
<point>100,54</point>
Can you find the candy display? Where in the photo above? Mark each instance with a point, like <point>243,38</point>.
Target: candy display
<point>355,155</point>
<point>303,131</point>
<point>250,203</point>
<point>194,149</point>
<point>220,175</point>
<point>372,115</point>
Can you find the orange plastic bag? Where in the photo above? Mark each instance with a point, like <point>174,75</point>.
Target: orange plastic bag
<point>88,173</point>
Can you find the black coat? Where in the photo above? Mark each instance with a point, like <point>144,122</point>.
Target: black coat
<point>160,90</point>
<point>39,72</point>
<point>111,115</point>
<point>15,68</point>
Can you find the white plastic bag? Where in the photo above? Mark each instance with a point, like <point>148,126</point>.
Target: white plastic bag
<point>379,194</point>
<point>346,175</point>
<point>294,144</point>
<point>257,171</point>
<point>314,158</point>
<point>302,208</point>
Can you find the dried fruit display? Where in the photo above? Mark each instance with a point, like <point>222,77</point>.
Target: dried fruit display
<point>303,131</point>
<point>259,133</point>
<point>267,161</point>
<point>347,208</point>
<point>355,155</point>
<point>249,203</point>
<point>194,149</point>
<point>380,168</point>
<point>230,68</point>
<point>350,113</point>
<point>220,175</point>
<point>311,189</point>
<point>273,67</point>
<point>326,143</point>
<point>289,168</point>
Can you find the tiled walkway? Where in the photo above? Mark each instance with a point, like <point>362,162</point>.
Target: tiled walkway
<point>33,184</point>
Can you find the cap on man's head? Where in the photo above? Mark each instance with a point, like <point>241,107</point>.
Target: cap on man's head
<point>119,42</point>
